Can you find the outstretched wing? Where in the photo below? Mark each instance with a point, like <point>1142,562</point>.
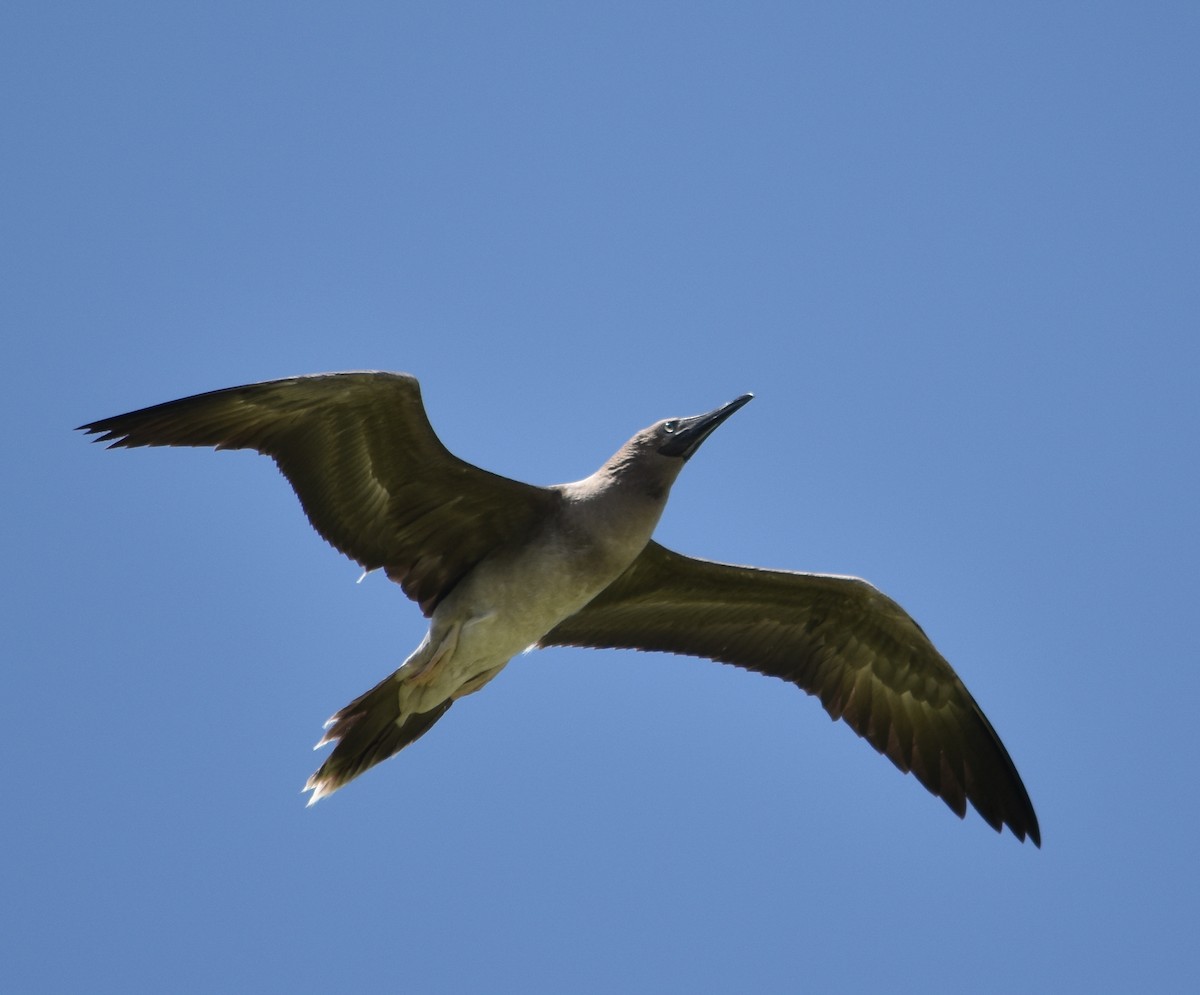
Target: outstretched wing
<point>835,637</point>
<point>372,476</point>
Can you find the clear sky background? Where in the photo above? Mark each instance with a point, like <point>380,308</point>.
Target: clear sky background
<point>951,247</point>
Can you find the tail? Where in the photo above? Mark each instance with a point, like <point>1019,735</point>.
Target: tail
<point>368,730</point>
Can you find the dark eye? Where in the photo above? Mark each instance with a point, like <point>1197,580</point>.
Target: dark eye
<point>670,426</point>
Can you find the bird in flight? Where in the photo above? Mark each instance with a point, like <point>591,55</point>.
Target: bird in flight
<point>499,566</point>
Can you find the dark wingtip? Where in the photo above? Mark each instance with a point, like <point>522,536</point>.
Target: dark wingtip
<point>101,432</point>
<point>1023,823</point>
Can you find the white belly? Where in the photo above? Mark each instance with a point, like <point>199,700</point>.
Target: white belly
<point>503,608</point>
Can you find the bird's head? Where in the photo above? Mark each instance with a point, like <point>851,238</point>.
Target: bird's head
<point>679,438</point>
<point>656,454</point>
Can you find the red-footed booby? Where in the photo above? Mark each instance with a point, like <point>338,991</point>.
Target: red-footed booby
<point>500,566</point>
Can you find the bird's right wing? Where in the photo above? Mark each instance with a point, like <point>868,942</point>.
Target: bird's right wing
<point>837,638</point>
<point>372,476</point>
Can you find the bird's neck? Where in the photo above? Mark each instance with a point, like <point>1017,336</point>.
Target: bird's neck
<point>621,507</point>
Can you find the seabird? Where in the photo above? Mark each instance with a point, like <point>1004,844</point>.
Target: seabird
<point>500,566</point>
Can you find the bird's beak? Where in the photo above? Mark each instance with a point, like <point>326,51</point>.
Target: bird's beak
<point>690,432</point>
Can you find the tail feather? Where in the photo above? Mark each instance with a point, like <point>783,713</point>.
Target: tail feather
<point>367,731</point>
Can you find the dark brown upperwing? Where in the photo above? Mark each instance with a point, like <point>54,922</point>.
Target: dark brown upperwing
<point>372,476</point>
<point>835,637</point>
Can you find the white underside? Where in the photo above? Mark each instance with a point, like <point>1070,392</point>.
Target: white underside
<point>499,612</point>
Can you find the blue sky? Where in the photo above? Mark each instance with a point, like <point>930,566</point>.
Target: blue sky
<point>952,249</point>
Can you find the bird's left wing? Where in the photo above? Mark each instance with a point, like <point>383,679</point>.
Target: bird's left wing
<point>835,637</point>
<point>371,474</point>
